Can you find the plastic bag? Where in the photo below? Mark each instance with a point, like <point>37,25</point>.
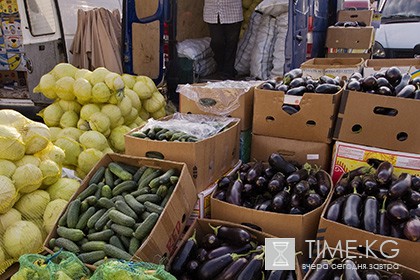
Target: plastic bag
<point>224,96</point>
<point>59,266</point>
<point>123,270</point>
<point>200,126</point>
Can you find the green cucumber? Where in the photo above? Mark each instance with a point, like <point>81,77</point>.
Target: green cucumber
<point>121,218</point>
<point>167,196</point>
<point>163,179</point>
<point>134,245</point>
<point>84,218</point>
<point>67,245</point>
<point>139,173</point>
<point>91,200</point>
<point>63,219</point>
<point>109,178</point>
<point>174,179</point>
<point>106,191</point>
<point>141,191</point>
<point>98,176</point>
<point>73,214</point>
<point>90,190</point>
<point>94,218</point>
<point>123,207</point>
<point>70,233</point>
<point>119,171</point>
<point>134,204</point>
<point>144,215</point>
<point>101,222</point>
<point>93,246</point>
<point>115,252</point>
<point>115,241</point>
<point>149,197</point>
<point>84,206</point>
<point>105,203</point>
<point>51,243</point>
<point>130,168</point>
<point>162,191</point>
<point>104,235</point>
<point>125,241</point>
<point>91,257</point>
<point>139,134</point>
<point>147,172</point>
<point>145,182</point>
<point>146,226</point>
<point>122,230</point>
<point>125,186</point>
<point>151,207</point>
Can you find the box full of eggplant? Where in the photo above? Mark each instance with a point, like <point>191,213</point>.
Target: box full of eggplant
<point>297,107</point>
<point>214,249</point>
<point>357,266</point>
<point>126,208</point>
<point>280,198</point>
<point>377,210</point>
<point>377,111</point>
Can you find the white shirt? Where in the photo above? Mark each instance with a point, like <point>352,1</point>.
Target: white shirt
<point>229,11</point>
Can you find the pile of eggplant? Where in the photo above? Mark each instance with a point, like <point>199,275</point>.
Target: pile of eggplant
<point>293,83</point>
<point>372,198</point>
<point>336,269</point>
<point>281,186</point>
<point>390,82</point>
<point>223,254</point>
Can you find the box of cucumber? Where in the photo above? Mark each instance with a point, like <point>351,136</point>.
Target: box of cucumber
<point>127,208</point>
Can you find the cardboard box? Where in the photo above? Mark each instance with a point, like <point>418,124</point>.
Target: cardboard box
<point>349,238</point>
<point>224,97</point>
<point>347,54</point>
<point>162,240</point>
<point>376,65</point>
<point>207,159</point>
<point>314,153</point>
<point>315,120</point>
<point>385,267</point>
<point>364,16</point>
<point>201,227</point>
<point>341,67</point>
<point>245,145</point>
<point>300,227</point>
<point>349,37</point>
<point>348,157</point>
<point>361,121</point>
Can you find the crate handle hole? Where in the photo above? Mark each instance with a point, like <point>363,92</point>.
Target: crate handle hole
<point>402,136</point>
<point>270,119</point>
<point>253,226</point>
<point>385,111</point>
<point>311,123</point>
<point>183,218</point>
<point>357,128</point>
<point>154,154</point>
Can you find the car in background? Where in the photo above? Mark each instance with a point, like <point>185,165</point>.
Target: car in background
<point>399,30</point>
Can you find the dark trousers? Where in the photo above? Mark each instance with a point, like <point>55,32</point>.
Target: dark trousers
<point>224,42</point>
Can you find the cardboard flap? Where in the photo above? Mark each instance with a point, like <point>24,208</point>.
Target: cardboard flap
<point>378,64</point>
<point>332,62</point>
<point>349,37</point>
<point>356,15</point>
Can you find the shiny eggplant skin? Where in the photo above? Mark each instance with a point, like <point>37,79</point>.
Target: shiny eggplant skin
<point>183,256</point>
<point>350,270</point>
<point>237,236</point>
<point>323,186</point>
<point>400,187</point>
<point>233,269</point>
<point>352,210</point>
<point>384,172</point>
<point>370,214</point>
<point>397,212</point>
<point>280,164</point>
<point>323,273</point>
<point>335,209</point>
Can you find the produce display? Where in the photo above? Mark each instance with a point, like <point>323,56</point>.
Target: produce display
<point>337,269</point>
<point>375,200</point>
<point>101,102</point>
<point>32,191</point>
<point>293,83</point>
<point>281,186</point>
<point>226,253</point>
<point>115,213</point>
<point>159,133</point>
<point>390,82</point>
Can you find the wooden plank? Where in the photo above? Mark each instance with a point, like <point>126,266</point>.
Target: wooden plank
<point>146,53</point>
<point>190,23</point>
<point>146,8</point>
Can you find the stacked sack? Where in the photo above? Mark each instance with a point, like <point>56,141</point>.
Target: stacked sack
<point>261,49</point>
<point>200,52</point>
<point>33,194</point>
<point>92,110</point>
<point>248,7</point>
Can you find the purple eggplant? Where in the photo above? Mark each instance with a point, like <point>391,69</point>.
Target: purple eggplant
<point>237,236</point>
<point>350,270</point>
<point>382,193</point>
<point>220,195</point>
<point>352,210</point>
<point>415,212</point>
<point>297,176</point>
<point>371,275</point>
<point>281,201</point>
<point>269,172</point>
<point>370,185</point>
<point>278,275</point>
<point>210,269</point>
<point>253,270</point>
<point>397,230</point>
<point>210,241</point>
<point>201,255</point>
<point>400,187</point>
<point>313,200</point>
<point>254,172</point>
<point>395,276</point>
<point>234,192</point>
<point>412,198</point>
<point>384,226</point>
<point>313,182</point>
<point>261,183</point>
<point>264,206</point>
<point>384,172</point>
<point>335,209</point>
<point>324,271</point>
<point>296,200</point>
<point>297,210</point>
<point>231,271</point>
<point>342,187</point>
<point>192,267</point>
<point>228,249</point>
<point>277,183</point>
<point>357,183</point>
<point>245,166</point>
<point>302,187</point>
<point>280,164</point>
<point>415,183</point>
<point>183,256</point>
<point>224,182</point>
<point>370,214</point>
<point>324,183</point>
<point>397,212</point>
<point>412,229</point>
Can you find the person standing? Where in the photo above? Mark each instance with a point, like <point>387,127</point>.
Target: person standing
<point>224,18</point>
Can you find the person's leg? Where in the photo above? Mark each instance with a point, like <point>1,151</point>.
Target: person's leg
<point>217,44</point>
<point>232,32</point>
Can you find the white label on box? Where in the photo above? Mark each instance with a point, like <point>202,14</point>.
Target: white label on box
<point>410,163</point>
<point>312,156</point>
<point>292,99</point>
<point>351,152</point>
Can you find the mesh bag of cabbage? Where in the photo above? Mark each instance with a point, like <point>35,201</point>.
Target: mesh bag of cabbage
<point>123,270</point>
<point>59,266</point>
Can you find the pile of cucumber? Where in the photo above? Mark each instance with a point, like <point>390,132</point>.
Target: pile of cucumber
<point>115,213</point>
<point>162,134</point>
